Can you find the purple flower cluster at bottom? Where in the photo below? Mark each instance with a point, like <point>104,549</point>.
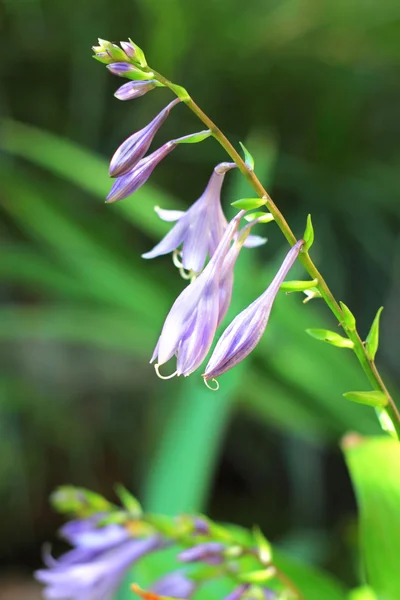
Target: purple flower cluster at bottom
<point>94,568</point>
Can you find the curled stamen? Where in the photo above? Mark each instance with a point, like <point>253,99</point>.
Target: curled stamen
<point>176,258</point>
<point>157,370</point>
<point>185,274</point>
<point>213,389</point>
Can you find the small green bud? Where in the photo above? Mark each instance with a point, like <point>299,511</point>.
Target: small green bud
<point>298,286</point>
<point>264,547</point>
<point>248,159</point>
<point>116,53</point>
<point>78,501</point>
<point>372,398</point>
<point>261,577</point>
<point>372,341</point>
<point>128,501</point>
<point>348,317</point>
<point>330,337</point>
<point>308,236</point>
<point>138,55</point>
<point>248,203</point>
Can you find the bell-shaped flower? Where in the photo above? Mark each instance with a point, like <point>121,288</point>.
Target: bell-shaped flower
<point>190,326</point>
<point>95,567</point>
<point>243,334</point>
<point>135,147</point>
<point>200,229</point>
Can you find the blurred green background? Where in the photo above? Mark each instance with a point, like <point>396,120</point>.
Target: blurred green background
<point>313,88</point>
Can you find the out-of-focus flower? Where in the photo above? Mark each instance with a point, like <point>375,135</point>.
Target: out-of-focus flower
<point>190,326</point>
<point>96,565</point>
<point>175,585</point>
<point>209,552</point>
<point>135,89</point>
<point>246,329</point>
<point>135,147</point>
<point>200,229</point>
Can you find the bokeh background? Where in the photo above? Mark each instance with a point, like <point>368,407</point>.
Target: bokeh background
<point>313,88</point>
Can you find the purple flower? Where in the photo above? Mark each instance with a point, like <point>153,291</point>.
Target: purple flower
<point>237,592</point>
<point>96,565</point>
<point>135,89</point>
<point>246,329</point>
<point>128,184</point>
<point>200,229</point>
<point>175,585</point>
<point>135,147</point>
<point>190,326</point>
<point>209,552</point>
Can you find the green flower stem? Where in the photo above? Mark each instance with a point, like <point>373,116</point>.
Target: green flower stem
<point>368,366</point>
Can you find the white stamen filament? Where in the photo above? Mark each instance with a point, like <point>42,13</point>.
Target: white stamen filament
<point>157,370</point>
<point>213,389</point>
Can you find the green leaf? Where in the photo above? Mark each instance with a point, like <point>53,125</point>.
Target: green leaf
<point>298,286</point>
<point>308,236</point>
<point>372,398</point>
<point>374,465</point>
<point>330,337</point>
<point>248,159</point>
<point>362,593</point>
<point>261,216</point>
<point>249,203</point>
<point>372,341</point>
<point>313,583</point>
<point>194,138</point>
<point>348,317</point>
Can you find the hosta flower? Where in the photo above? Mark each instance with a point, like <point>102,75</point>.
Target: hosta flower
<point>209,552</point>
<point>135,147</point>
<point>245,331</point>
<point>135,89</point>
<point>127,184</point>
<point>190,326</point>
<point>200,229</point>
<point>94,568</point>
<point>174,585</point>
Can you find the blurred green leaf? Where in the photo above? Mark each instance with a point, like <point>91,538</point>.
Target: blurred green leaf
<point>374,465</point>
<point>372,398</point>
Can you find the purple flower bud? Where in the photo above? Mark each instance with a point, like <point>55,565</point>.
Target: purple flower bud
<point>134,89</point>
<point>243,334</point>
<point>175,585</point>
<point>200,228</point>
<point>128,184</point>
<point>136,146</point>
<point>129,49</point>
<point>237,592</point>
<point>121,68</point>
<point>94,568</point>
<point>124,69</point>
<point>209,552</point>
<point>190,326</point>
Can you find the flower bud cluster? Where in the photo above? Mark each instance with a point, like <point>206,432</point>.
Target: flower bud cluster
<point>106,544</point>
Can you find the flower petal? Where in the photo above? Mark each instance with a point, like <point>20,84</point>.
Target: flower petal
<point>169,215</point>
